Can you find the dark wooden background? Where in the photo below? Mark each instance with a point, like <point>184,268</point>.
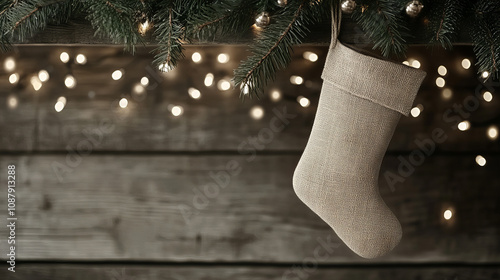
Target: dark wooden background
<point>112,209</point>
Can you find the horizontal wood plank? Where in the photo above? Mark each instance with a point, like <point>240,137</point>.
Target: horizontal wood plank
<point>180,208</point>
<point>218,120</point>
<point>222,272</point>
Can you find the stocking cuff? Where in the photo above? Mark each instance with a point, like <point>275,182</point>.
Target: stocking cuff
<point>389,84</point>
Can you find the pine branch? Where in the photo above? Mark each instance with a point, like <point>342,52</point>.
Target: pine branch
<point>114,19</point>
<point>444,21</point>
<point>382,21</point>
<point>272,50</point>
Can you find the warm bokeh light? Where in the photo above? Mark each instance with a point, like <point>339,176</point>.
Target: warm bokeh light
<point>209,80</point>
<point>62,99</point>
<point>275,95</point>
<point>117,74</point>
<point>36,83</point>
<point>464,125</point>
<point>14,78</point>
<point>485,74</point>
<point>442,70</point>
<point>447,214</point>
<point>43,75</point>
<point>59,106</point>
<point>196,57</point>
<point>415,64</point>
<point>310,56</point>
<point>406,62</point>
<point>64,57</point>
<point>9,64</point>
<point>194,93</point>
<point>415,112</point>
<point>223,58</point>
<point>446,93</point>
<point>440,82</point>
<point>144,81</point>
<point>303,101</point>
<point>466,63</point>
<point>123,103</point>
<point>12,102</point>
<point>487,96</point>
<point>81,59</point>
<point>70,81</point>
<point>224,84</point>
<point>257,112</point>
<point>296,80</point>
<point>139,89</point>
<point>480,160</point>
<point>177,111</point>
<point>492,132</point>
<point>143,27</point>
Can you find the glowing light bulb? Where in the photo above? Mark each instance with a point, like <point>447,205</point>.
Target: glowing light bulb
<point>209,80</point>
<point>177,111</point>
<point>440,82</point>
<point>36,83</point>
<point>196,57</point>
<point>415,64</point>
<point>194,93</point>
<point>123,103</point>
<point>487,96</point>
<point>224,85</point>
<point>442,70</point>
<point>492,132</point>
<point>12,102</point>
<point>275,95</point>
<point>296,80</point>
<point>165,68</point>
<point>480,160</point>
<point>143,27</point>
<point>144,81</point>
<point>81,59</point>
<point>245,88</point>
<point>14,78</point>
<point>70,81</point>
<point>415,112</point>
<point>9,64</point>
<point>59,106</point>
<point>310,56</point>
<point>64,57</point>
<point>303,101</point>
<point>257,112</point>
<point>117,74</point>
<point>223,58</point>
<point>464,125</point>
<point>447,214</point>
<point>485,74</point>
<point>43,75</point>
<point>466,63</point>
<point>446,93</point>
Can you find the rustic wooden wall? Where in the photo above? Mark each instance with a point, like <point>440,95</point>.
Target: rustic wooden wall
<point>111,193</point>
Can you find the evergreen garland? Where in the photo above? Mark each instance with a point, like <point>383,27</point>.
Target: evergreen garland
<point>176,22</point>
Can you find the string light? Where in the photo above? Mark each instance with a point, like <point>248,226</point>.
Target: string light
<point>9,64</point>
<point>165,68</point>
<point>485,74</point>
<point>81,59</point>
<point>194,93</point>
<point>446,93</point>
<point>196,57</point>
<point>143,27</point>
<point>275,95</point>
<point>223,58</point>
<point>406,63</point>
<point>466,63</point>
<point>64,57</point>
<point>14,78</point>
<point>464,125</point>
<point>492,132</point>
<point>296,80</point>
<point>12,102</point>
<point>43,75</point>
<point>487,96</point>
<point>415,112</point>
<point>177,111</point>
<point>36,83</point>
<point>257,112</point>
<point>62,99</point>
<point>61,102</point>
<point>224,84</point>
<point>123,103</point>
<point>480,160</point>
<point>310,56</point>
<point>303,101</point>
<point>442,70</point>
<point>245,88</point>
<point>144,81</point>
<point>139,89</point>
<point>117,74</point>
<point>70,81</point>
<point>447,214</point>
<point>440,82</point>
<point>415,64</point>
<point>209,80</point>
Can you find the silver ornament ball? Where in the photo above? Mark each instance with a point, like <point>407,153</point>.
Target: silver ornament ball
<point>348,6</point>
<point>282,3</point>
<point>263,19</point>
<point>414,8</point>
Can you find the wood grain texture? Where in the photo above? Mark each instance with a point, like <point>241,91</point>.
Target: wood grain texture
<point>222,272</point>
<point>170,208</point>
<point>218,120</point>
